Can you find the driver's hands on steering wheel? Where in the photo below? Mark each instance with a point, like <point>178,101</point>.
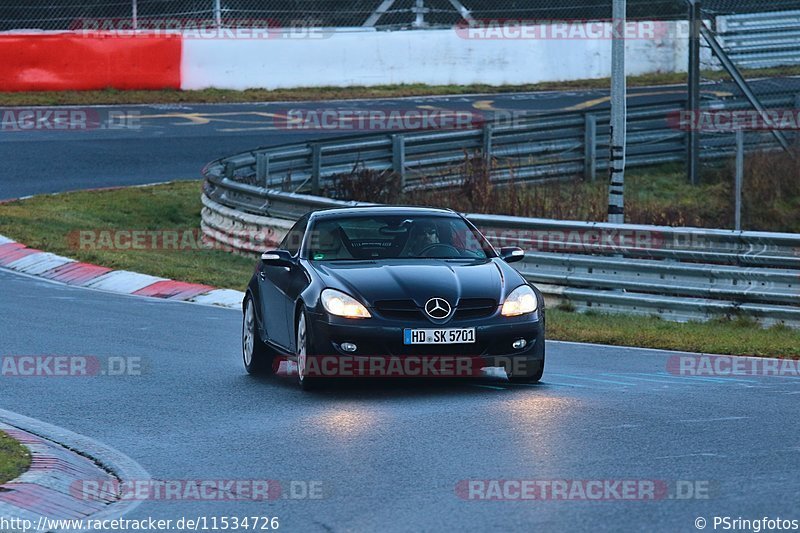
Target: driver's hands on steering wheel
<point>425,252</point>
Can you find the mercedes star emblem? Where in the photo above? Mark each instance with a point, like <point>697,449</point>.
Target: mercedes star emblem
<point>438,308</point>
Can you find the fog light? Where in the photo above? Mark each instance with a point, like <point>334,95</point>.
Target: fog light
<point>519,344</point>
<point>348,347</point>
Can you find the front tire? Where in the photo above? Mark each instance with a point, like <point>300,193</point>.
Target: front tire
<point>301,347</point>
<point>257,357</point>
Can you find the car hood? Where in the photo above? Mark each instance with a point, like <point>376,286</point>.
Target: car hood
<point>421,280</point>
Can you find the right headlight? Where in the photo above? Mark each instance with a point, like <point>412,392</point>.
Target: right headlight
<point>522,300</point>
<point>341,304</point>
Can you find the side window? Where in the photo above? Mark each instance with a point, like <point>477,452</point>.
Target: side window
<point>294,238</point>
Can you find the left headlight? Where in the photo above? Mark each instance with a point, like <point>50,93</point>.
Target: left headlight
<point>341,304</point>
<point>522,300</point>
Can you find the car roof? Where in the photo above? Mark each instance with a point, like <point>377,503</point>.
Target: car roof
<point>340,212</point>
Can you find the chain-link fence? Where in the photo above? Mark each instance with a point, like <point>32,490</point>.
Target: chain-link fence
<point>753,48</point>
<point>387,14</point>
<point>62,14</point>
<point>752,57</point>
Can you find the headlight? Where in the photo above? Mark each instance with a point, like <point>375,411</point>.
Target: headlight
<point>340,304</point>
<point>522,300</point>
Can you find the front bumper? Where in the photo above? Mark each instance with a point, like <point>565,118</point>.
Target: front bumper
<point>381,338</point>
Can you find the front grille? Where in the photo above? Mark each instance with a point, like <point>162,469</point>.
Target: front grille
<point>398,309</point>
<point>468,308</point>
<point>475,308</point>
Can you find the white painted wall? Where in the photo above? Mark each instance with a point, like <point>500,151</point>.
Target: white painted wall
<point>435,57</point>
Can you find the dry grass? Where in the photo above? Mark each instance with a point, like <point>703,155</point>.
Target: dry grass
<point>659,195</point>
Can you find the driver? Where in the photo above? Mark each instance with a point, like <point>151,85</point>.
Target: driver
<point>423,234</point>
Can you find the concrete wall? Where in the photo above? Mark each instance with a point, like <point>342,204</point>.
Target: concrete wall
<point>435,57</point>
<point>340,57</point>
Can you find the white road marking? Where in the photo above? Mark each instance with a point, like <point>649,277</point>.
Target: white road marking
<point>705,420</point>
<point>571,376</point>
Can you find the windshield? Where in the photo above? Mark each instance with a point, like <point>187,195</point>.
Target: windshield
<point>395,237</point>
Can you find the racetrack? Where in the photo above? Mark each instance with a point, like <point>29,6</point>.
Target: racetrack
<point>389,456</point>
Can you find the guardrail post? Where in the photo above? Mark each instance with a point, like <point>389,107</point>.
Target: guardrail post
<point>399,158</point>
<point>693,99</point>
<point>590,147</point>
<point>229,170</point>
<point>316,168</point>
<point>739,178</point>
<point>488,133</point>
<point>262,169</point>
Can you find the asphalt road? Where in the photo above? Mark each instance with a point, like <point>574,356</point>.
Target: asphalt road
<point>389,456</point>
<point>167,142</point>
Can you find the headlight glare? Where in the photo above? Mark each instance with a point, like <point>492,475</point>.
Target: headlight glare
<point>341,304</point>
<point>522,300</point>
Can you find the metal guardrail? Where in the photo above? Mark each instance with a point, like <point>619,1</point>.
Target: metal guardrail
<point>676,273</point>
<point>668,289</point>
<point>761,40</point>
<point>535,147</point>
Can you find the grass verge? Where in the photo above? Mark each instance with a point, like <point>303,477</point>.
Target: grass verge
<point>167,96</point>
<point>14,458</point>
<point>723,336</point>
<point>50,223</point>
<point>46,222</point>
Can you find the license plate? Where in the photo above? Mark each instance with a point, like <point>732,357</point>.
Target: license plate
<point>439,336</point>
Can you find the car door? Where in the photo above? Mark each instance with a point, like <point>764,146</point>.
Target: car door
<point>299,280</point>
<point>275,283</point>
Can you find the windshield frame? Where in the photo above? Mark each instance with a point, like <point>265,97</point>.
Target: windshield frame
<point>313,223</point>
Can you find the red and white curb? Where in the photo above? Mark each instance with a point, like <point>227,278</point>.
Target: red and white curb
<point>19,258</point>
<point>60,461</point>
<point>47,488</point>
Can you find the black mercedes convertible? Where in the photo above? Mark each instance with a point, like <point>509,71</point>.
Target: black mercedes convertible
<point>391,291</point>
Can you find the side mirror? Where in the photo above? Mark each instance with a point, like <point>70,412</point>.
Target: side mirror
<point>280,258</point>
<point>512,254</point>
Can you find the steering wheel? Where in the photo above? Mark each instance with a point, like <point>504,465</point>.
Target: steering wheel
<point>444,247</point>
